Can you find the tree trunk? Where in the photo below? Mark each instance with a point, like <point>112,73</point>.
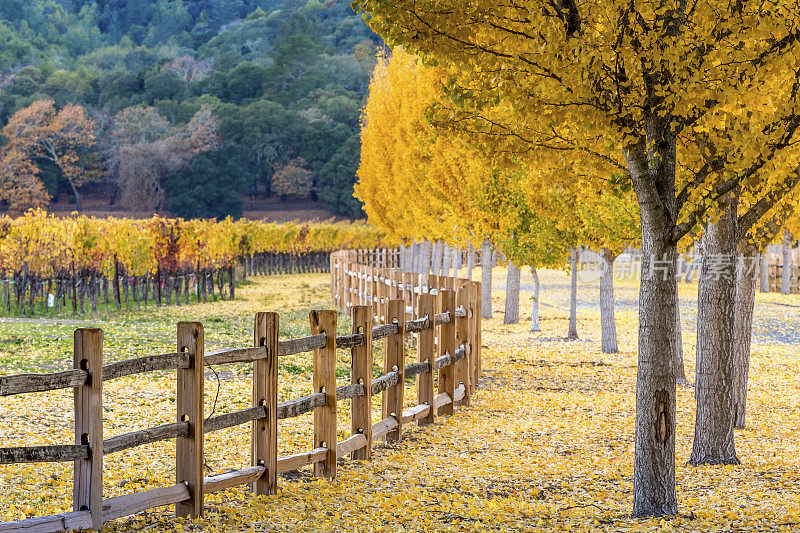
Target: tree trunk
<point>535,300</point>
<point>157,288</point>
<point>743,329</point>
<point>654,459</point>
<point>608,324</point>
<point>786,270</point>
<point>415,258</point>
<point>512,295</point>
<point>456,261</point>
<point>94,289</point>
<point>573,294</point>
<point>438,252</point>
<point>231,282</point>
<point>74,291</point>
<point>470,262</point>
<point>83,295</point>
<point>486,280</point>
<point>425,252</point>
<point>78,199</point>
<point>117,296</point>
<point>713,433</point>
<point>680,367</point>
<point>447,260</point>
<point>764,271</point>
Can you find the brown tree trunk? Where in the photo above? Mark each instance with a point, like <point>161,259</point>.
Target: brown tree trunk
<point>572,333</point>
<point>654,459</point>
<point>512,295</point>
<point>486,280</point>
<point>743,329</point>
<point>117,296</point>
<point>608,324</point>
<point>713,432</point>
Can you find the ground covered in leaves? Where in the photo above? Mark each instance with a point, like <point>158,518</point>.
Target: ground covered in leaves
<point>546,445</point>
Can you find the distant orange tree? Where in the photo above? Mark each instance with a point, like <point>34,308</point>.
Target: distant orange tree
<point>292,180</point>
<point>40,132</point>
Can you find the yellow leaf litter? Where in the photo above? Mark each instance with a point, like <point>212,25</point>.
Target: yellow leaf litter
<point>547,444</point>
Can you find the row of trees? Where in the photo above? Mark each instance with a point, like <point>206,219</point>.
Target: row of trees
<point>281,83</point>
<point>158,258</point>
<point>650,121</point>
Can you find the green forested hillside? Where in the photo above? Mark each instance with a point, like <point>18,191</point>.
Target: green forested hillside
<point>273,88</point>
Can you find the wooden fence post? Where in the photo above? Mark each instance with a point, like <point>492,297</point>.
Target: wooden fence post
<point>462,370</point>
<point>447,344</point>
<point>427,352</point>
<point>474,328</point>
<point>325,381</point>
<point>476,353</point>
<point>407,293</point>
<point>361,372</point>
<point>380,293</point>
<point>394,360</point>
<point>88,474</point>
<point>265,393</point>
<point>347,293</point>
<point>362,284</point>
<point>189,450</point>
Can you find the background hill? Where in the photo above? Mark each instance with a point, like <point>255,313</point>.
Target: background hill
<point>281,84</point>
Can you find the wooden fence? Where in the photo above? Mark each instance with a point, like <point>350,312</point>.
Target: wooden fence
<point>444,315</point>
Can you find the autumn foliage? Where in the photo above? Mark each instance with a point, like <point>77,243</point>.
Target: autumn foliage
<point>42,132</point>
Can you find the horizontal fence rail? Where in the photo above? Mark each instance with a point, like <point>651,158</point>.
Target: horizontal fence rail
<point>442,313</point>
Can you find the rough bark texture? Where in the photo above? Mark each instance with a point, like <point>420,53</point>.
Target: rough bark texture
<point>713,432</point>
<point>486,280</point>
<point>415,257</point>
<point>470,262</point>
<point>447,259</point>
<point>654,460</point>
<point>743,329</point>
<point>512,295</point>
<point>456,262</point>
<point>608,325</point>
<point>786,270</point>
<point>572,333</point>
<point>764,273</point>
<point>426,250</point>
<point>535,301</point>
<point>438,249</point>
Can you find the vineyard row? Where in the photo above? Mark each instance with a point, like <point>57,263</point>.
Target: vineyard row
<point>49,263</point>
